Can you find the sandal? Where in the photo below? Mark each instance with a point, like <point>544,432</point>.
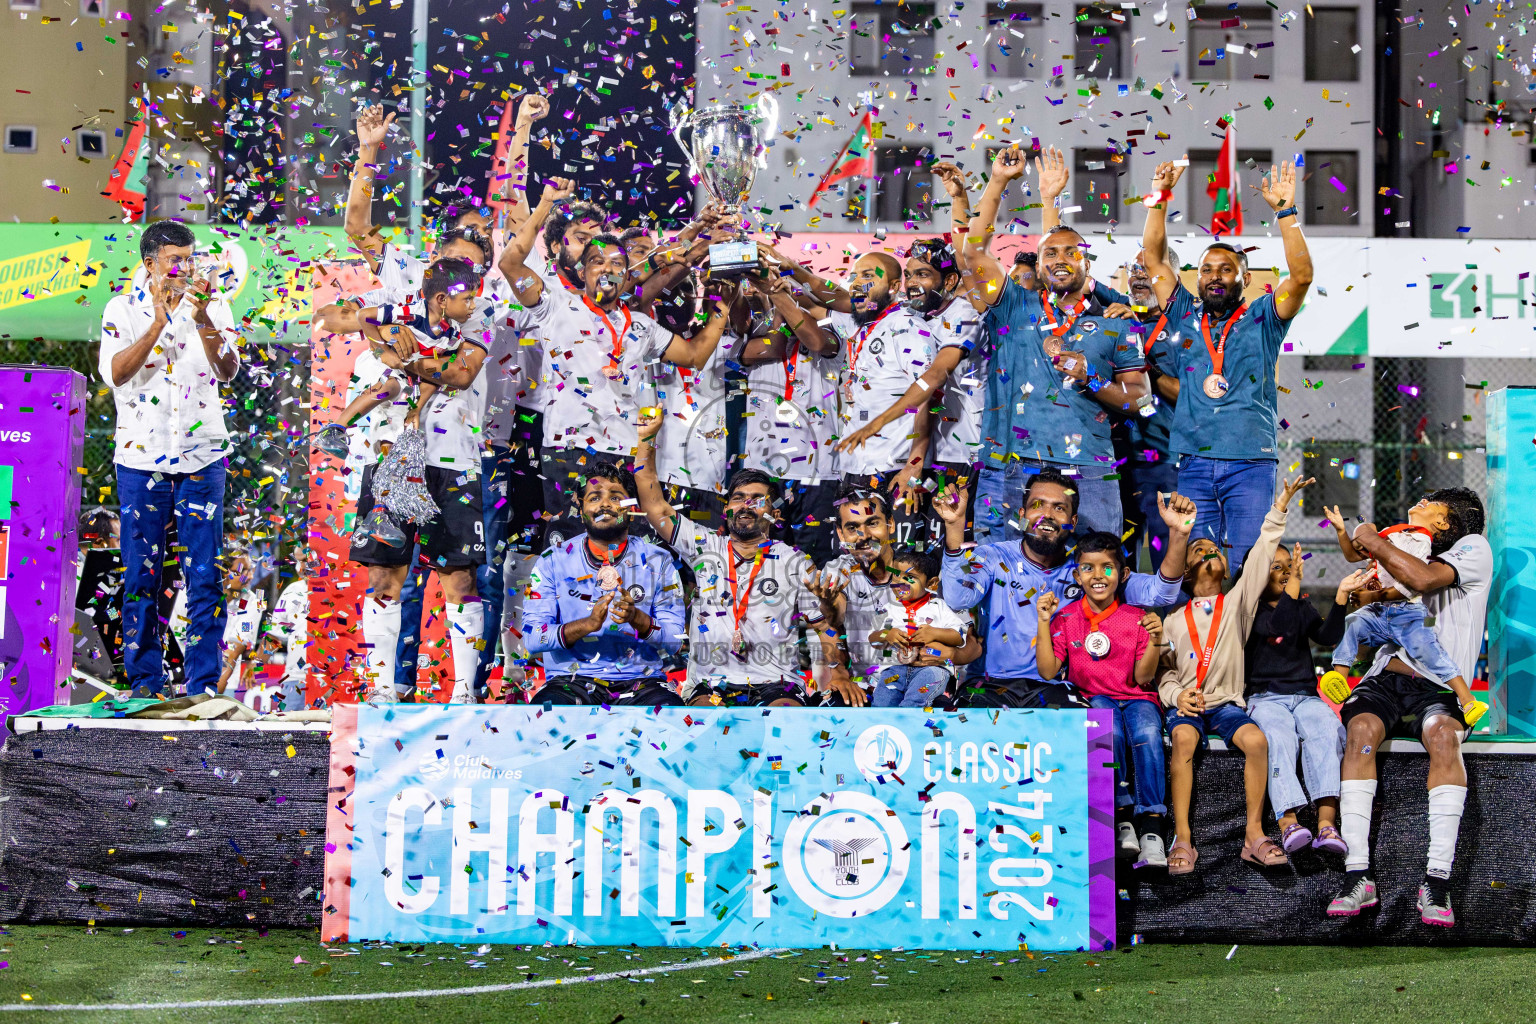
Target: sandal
<point>1182,857</point>
<point>1266,853</point>
<point>1329,841</point>
<point>1295,837</point>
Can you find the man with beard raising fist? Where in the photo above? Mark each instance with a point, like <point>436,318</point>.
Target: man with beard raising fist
<point>752,600</point>
<point>1058,363</point>
<point>1225,422</point>
<point>1018,572</point>
<point>603,606</point>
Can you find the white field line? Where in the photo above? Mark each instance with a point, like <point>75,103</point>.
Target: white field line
<point>423,993</point>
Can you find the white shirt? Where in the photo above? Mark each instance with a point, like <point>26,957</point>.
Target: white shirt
<point>691,448</point>
<point>865,603</point>
<point>454,420</point>
<point>381,426</point>
<point>1410,542</point>
<point>290,623</point>
<point>778,605</point>
<point>1458,610</point>
<point>512,367</point>
<point>957,435</point>
<point>242,623</point>
<point>884,359</point>
<point>934,612</point>
<point>587,406</point>
<point>793,439</point>
<point>170,417</point>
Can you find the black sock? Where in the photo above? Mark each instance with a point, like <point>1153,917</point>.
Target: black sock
<point>1149,823</point>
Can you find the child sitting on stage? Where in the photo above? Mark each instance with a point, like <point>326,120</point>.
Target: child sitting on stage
<point>1397,616</point>
<point>1111,651</point>
<point>915,617</point>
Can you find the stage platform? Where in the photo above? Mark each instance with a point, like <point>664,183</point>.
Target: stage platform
<point>219,824</point>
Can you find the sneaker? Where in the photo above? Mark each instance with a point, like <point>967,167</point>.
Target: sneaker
<point>332,439</point>
<point>1334,686</point>
<point>378,526</point>
<point>1359,893</point>
<point>1435,902</point>
<point>1472,711</point>
<point>1126,832</point>
<point>1153,853</point>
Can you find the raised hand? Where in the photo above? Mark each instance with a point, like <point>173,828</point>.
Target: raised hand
<point>648,422</point>
<point>1356,580</point>
<point>949,504</point>
<point>1051,170</point>
<point>1153,624</point>
<point>1177,511</point>
<point>1166,176</point>
<point>1278,187</point>
<point>1008,164</point>
<point>1290,490</point>
<point>951,177</point>
<point>373,125</point>
<point>557,189</point>
<point>1046,605</point>
<point>534,108</point>
<point>1336,518</point>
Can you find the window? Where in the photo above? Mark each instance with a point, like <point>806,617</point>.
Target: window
<point>26,5</point>
<point>20,138</point>
<point>1332,187</point>
<point>1232,45</point>
<point>93,8</point>
<point>903,187</point>
<point>1016,48</point>
<point>1333,465</point>
<point>1095,187</point>
<point>1102,44</point>
<point>1199,207</point>
<point>1333,45</point>
<point>891,39</point>
<point>90,144</point>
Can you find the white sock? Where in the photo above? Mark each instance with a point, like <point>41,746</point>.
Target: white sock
<point>381,630</point>
<point>466,629</point>
<point>1355,799</point>
<point>1445,807</point>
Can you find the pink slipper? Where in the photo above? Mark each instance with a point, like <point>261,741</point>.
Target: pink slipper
<point>1266,853</point>
<point>1181,858</point>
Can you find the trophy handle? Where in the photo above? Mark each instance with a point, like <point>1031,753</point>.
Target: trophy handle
<point>679,122</point>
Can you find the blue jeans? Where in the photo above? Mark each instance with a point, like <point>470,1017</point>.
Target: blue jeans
<point>1140,484</point>
<point>1401,623</point>
<point>1138,754</point>
<point>1000,499</point>
<point>908,686</point>
<point>1232,497</point>
<point>196,500</point>
<point>1304,724</point>
<point>495,475</point>
<point>406,652</point>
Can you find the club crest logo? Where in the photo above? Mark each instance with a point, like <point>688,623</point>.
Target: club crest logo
<point>846,854</point>
<point>880,752</point>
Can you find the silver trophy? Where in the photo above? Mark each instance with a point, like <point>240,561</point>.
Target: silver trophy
<point>728,145</point>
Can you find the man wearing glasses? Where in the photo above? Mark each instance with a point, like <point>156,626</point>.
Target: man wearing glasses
<point>166,346</point>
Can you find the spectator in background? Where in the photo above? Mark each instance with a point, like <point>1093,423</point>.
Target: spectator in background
<point>166,345</point>
<point>99,579</point>
<point>288,629</point>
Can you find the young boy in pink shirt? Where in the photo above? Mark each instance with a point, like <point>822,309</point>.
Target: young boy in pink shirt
<point>1110,651</point>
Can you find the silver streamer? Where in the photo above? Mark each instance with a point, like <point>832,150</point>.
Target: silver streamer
<point>399,484</point>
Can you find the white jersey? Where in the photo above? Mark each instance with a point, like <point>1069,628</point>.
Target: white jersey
<point>512,365</point>
<point>957,435</point>
<point>777,604</point>
<point>381,426</point>
<point>1410,541</point>
<point>865,602</point>
<point>454,421</point>
<point>885,357</point>
<point>691,448</point>
<point>1458,610</point>
<point>595,394</point>
<point>932,612</point>
<point>791,426</point>
<point>290,624</point>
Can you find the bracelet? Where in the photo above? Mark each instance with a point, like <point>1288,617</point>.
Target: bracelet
<point>1289,211</point>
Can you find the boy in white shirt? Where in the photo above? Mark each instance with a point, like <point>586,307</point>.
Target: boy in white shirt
<point>915,619</point>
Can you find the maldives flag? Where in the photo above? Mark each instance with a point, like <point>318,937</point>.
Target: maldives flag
<point>1224,187</point>
<point>855,160</point>
<point>126,184</point>
<point>498,195</point>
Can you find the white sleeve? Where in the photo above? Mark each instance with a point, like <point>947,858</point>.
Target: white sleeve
<point>654,338</point>
<point>1472,559</point>
<point>688,537</point>
<point>224,322</point>
<point>945,617</point>
<point>116,325</point>
<point>400,271</point>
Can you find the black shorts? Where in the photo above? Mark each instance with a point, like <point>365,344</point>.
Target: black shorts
<point>993,692</point>
<point>581,690</point>
<point>1403,703</point>
<point>453,539</point>
<point>754,696</point>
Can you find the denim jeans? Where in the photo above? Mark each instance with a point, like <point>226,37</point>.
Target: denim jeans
<point>1232,497</point>
<point>1401,623</point>
<point>1138,754</point>
<point>1301,723</point>
<point>908,686</point>
<point>496,468</point>
<point>1140,483</point>
<point>1000,499</point>
<point>196,500</point>
<point>406,652</point>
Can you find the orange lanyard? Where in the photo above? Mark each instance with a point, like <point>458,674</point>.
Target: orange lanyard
<point>1218,351</point>
<point>613,556</point>
<point>1094,620</point>
<point>910,608</point>
<point>739,601</point>
<point>792,353</point>
<point>1203,663</point>
<point>1059,328</point>
<point>1162,322</point>
<point>618,336</point>
<point>858,343</point>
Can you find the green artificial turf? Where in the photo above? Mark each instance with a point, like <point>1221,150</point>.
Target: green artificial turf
<point>1187,984</point>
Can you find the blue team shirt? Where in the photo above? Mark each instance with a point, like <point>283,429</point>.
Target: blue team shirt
<point>1052,422</point>
<point>1147,437</point>
<point>563,588</point>
<point>1001,579</point>
<point>1243,423</point>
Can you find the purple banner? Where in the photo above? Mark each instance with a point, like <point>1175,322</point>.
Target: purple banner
<point>42,447</point>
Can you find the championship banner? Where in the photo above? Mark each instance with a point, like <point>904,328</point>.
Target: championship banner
<point>704,826</point>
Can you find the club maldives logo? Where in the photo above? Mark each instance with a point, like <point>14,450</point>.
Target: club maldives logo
<point>846,854</point>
